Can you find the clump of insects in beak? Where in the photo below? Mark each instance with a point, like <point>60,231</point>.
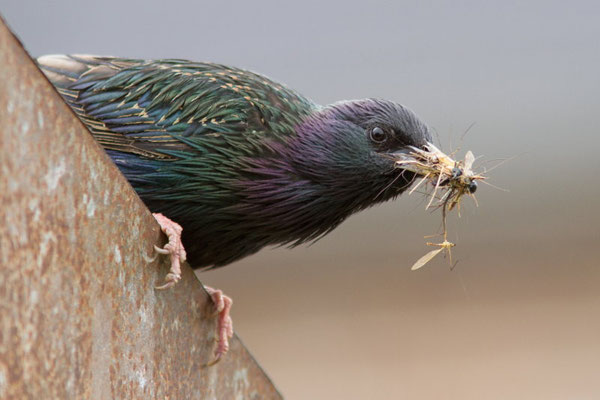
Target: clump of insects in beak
<point>455,177</point>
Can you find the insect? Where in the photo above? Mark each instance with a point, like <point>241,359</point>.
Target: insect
<point>462,181</point>
<point>456,177</point>
<point>445,245</point>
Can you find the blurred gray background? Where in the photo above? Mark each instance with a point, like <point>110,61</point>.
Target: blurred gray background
<point>345,318</point>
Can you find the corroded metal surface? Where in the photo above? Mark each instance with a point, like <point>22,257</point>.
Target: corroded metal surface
<point>79,318</point>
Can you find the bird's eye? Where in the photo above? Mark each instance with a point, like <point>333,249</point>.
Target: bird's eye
<point>377,135</point>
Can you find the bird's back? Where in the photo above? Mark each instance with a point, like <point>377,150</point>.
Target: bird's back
<point>182,133</point>
<point>153,108</point>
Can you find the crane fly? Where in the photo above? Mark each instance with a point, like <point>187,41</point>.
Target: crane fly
<point>455,177</point>
<point>445,245</point>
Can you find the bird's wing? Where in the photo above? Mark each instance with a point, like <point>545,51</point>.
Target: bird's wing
<point>167,108</point>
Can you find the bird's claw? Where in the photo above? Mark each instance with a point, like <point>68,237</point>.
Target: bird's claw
<point>174,248</point>
<point>161,250</point>
<point>150,259</point>
<point>170,280</point>
<point>224,323</point>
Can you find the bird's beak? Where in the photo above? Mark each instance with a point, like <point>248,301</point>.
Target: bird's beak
<point>426,161</point>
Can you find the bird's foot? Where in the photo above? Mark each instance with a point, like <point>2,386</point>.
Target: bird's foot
<point>224,323</point>
<point>174,248</point>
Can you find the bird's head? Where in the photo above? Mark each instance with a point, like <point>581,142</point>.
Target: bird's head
<point>343,158</point>
<point>351,148</point>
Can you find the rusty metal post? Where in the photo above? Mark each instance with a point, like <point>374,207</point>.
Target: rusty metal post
<point>79,317</point>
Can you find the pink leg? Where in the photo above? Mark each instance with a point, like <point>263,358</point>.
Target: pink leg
<point>173,248</point>
<point>224,323</point>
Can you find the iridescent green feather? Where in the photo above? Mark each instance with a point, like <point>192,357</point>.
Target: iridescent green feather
<point>168,109</point>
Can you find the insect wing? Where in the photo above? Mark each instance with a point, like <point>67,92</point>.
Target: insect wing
<point>425,259</point>
<point>469,159</point>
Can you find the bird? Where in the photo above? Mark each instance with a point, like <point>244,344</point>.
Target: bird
<point>230,161</point>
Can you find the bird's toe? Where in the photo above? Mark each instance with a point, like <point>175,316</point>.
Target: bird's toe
<point>224,322</point>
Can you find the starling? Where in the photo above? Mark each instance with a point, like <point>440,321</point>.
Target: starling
<point>238,160</point>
